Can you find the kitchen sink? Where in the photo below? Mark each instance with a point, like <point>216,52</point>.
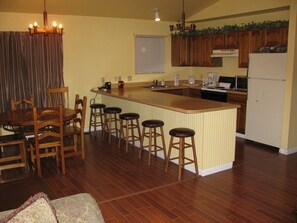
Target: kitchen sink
<point>156,86</point>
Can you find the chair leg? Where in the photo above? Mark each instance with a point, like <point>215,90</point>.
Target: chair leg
<point>141,142</point>
<point>127,136</point>
<point>38,163</point>
<point>62,159</point>
<point>82,140</point>
<point>169,153</point>
<point>150,146</point>
<point>120,133</point>
<point>163,141</point>
<point>90,123</point>
<point>181,157</point>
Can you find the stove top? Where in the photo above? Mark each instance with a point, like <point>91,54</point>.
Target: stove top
<point>216,89</point>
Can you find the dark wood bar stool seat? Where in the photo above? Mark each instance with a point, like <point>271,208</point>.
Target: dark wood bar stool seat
<point>129,122</point>
<point>111,121</point>
<point>97,115</point>
<point>181,145</point>
<point>152,129</point>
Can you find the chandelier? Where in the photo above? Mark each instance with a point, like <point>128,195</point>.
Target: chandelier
<point>182,26</point>
<point>55,29</point>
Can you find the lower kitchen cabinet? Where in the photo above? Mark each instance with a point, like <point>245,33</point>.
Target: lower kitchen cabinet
<point>195,93</point>
<point>179,91</point>
<point>235,98</point>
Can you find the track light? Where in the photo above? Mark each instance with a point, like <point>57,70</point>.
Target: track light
<point>157,15</point>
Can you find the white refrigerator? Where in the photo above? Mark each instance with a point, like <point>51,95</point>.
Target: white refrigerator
<point>266,94</point>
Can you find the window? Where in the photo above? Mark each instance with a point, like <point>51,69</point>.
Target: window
<point>149,54</point>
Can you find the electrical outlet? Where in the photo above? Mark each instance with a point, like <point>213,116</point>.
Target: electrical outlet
<point>129,78</point>
<point>102,80</point>
<point>116,79</point>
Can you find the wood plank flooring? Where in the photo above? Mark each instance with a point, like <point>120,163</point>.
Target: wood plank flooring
<point>261,187</point>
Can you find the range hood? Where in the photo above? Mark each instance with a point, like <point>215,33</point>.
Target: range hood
<point>225,53</point>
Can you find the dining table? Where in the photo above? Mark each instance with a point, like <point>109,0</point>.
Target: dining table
<point>24,117</point>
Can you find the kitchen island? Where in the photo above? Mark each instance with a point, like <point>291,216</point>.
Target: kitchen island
<point>214,122</point>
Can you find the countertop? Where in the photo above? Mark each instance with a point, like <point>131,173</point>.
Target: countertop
<point>177,103</point>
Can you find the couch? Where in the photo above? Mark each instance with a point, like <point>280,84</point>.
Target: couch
<point>75,208</point>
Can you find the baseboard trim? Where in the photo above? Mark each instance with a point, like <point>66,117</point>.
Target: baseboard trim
<point>287,151</point>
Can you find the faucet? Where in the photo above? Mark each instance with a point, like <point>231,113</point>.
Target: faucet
<point>155,82</point>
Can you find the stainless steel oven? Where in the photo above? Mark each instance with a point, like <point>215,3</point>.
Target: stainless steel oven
<point>214,94</point>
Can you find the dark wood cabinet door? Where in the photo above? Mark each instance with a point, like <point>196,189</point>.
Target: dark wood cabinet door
<point>195,93</point>
<point>218,41</point>
<point>180,50</point>
<point>244,48</point>
<point>285,36</point>
<point>196,51</point>
<point>256,40</point>
<point>231,40</point>
<point>206,50</point>
<point>273,37</point>
<point>240,99</point>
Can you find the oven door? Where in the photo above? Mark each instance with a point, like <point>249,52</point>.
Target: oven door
<point>214,94</point>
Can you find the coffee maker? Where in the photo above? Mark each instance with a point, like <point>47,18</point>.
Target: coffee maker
<point>212,79</point>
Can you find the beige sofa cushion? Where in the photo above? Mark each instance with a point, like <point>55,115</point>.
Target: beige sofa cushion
<point>36,209</point>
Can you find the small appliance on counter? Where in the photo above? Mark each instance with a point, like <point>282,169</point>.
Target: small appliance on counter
<point>176,80</point>
<point>105,87</point>
<point>212,79</point>
<point>191,79</point>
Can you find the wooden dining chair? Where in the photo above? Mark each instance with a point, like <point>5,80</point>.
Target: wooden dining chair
<point>48,137</point>
<point>13,152</point>
<point>59,96</point>
<point>22,103</point>
<point>74,132</point>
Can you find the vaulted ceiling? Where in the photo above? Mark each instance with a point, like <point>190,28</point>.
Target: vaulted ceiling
<point>170,10</point>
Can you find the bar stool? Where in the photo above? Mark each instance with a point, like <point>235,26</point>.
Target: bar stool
<point>96,116</point>
<point>129,121</point>
<point>150,131</point>
<point>111,119</point>
<point>181,145</point>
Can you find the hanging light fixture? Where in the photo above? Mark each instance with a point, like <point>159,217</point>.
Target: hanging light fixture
<point>55,29</point>
<point>157,15</point>
<point>182,26</point>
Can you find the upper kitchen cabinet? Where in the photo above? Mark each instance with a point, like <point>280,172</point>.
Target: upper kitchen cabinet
<point>193,51</point>
<point>274,37</point>
<point>201,52</point>
<point>248,41</point>
<point>196,51</point>
<point>180,50</point>
<point>218,41</point>
<point>243,47</point>
<point>225,41</point>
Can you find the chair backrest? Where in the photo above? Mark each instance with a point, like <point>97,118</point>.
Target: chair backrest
<point>48,124</point>
<point>23,103</point>
<point>58,96</point>
<point>80,107</point>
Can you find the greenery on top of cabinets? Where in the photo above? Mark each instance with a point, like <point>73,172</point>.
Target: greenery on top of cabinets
<point>235,28</point>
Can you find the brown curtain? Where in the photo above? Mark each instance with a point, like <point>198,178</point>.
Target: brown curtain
<point>29,64</point>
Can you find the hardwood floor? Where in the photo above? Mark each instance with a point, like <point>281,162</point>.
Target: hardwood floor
<point>261,187</point>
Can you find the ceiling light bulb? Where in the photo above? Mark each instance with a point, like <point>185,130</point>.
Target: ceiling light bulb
<point>157,16</point>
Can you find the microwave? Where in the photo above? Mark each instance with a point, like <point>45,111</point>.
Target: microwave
<point>240,82</point>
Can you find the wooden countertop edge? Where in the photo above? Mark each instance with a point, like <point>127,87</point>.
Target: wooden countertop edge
<point>182,110</point>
